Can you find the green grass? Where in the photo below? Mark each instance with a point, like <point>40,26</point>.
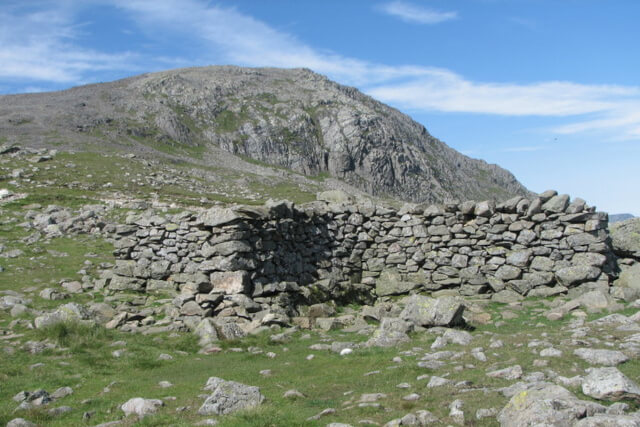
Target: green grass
<point>228,121</point>
<point>328,380</point>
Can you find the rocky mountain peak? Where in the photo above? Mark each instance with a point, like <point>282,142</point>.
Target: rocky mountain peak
<point>290,118</point>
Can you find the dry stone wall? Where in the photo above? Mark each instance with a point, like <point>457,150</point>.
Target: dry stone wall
<point>268,264</point>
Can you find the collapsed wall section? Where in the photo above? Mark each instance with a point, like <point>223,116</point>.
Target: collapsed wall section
<point>266,264</point>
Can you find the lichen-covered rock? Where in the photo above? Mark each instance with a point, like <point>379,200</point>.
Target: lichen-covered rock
<point>545,404</point>
<point>390,283</point>
<point>207,332</point>
<point>629,281</point>
<point>610,384</point>
<point>425,311</point>
<point>229,396</point>
<point>66,313</point>
<point>574,275</point>
<point>625,237</point>
<point>600,356</point>
<point>391,332</point>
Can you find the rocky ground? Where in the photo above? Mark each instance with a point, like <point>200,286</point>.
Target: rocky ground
<point>564,360</point>
<point>255,121</point>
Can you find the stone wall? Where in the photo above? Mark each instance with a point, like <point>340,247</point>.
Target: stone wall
<point>270,262</point>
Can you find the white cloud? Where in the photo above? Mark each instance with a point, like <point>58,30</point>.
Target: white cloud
<point>610,108</point>
<point>40,46</point>
<point>37,48</point>
<point>444,90</point>
<point>416,14</point>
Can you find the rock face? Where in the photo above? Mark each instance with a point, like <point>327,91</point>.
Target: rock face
<point>290,118</point>
<point>255,266</point>
<point>229,396</point>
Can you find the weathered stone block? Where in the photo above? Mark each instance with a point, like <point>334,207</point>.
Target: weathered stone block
<point>231,282</point>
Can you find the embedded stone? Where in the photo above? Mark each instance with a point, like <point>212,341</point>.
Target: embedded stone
<point>231,282</point>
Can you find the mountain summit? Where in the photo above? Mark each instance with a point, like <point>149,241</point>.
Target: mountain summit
<point>289,118</point>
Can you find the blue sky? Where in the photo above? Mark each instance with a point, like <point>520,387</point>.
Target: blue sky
<point>545,88</point>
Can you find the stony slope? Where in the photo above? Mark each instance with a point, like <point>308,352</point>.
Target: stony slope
<point>247,118</point>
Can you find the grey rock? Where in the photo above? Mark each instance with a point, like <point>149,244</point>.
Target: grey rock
<point>235,282</point>
<point>629,281</point>
<point>390,333</point>
<point>425,311</point>
<point>545,404</point>
<point>557,204</point>
<point>610,384</point>
<point>508,272</point>
<point>625,238</point>
<point>229,396</point>
<point>62,392</point>
<point>390,283</point>
<point>607,420</point>
<point>207,332</point>
<point>457,337</point>
<point>574,275</point>
<point>141,407</point>
<point>60,410</point>
<point>485,208</point>
<point>20,422</point>
<point>510,373</point>
<point>66,313</point>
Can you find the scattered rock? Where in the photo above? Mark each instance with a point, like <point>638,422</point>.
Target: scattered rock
<point>601,357</point>
<point>609,384</point>
<point>141,407</point>
<point>545,404</point>
<point>510,373</point>
<point>229,396</point>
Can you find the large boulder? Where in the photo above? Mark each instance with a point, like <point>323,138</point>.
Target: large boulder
<point>207,332</point>
<point>391,332</point>
<point>610,384</point>
<point>231,282</point>
<point>628,282</point>
<point>71,312</point>
<point>601,356</point>
<point>576,274</point>
<point>390,283</point>
<point>425,311</point>
<point>625,237</point>
<point>545,404</point>
<point>229,396</point>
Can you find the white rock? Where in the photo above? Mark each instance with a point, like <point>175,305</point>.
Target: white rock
<point>601,357</point>
<point>609,384</point>
<point>140,406</point>
<point>510,373</point>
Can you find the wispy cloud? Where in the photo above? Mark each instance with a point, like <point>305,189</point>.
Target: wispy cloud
<point>611,108</point>
<point>444,90</point>
<point>416,14</point>
<point>42,47</point>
